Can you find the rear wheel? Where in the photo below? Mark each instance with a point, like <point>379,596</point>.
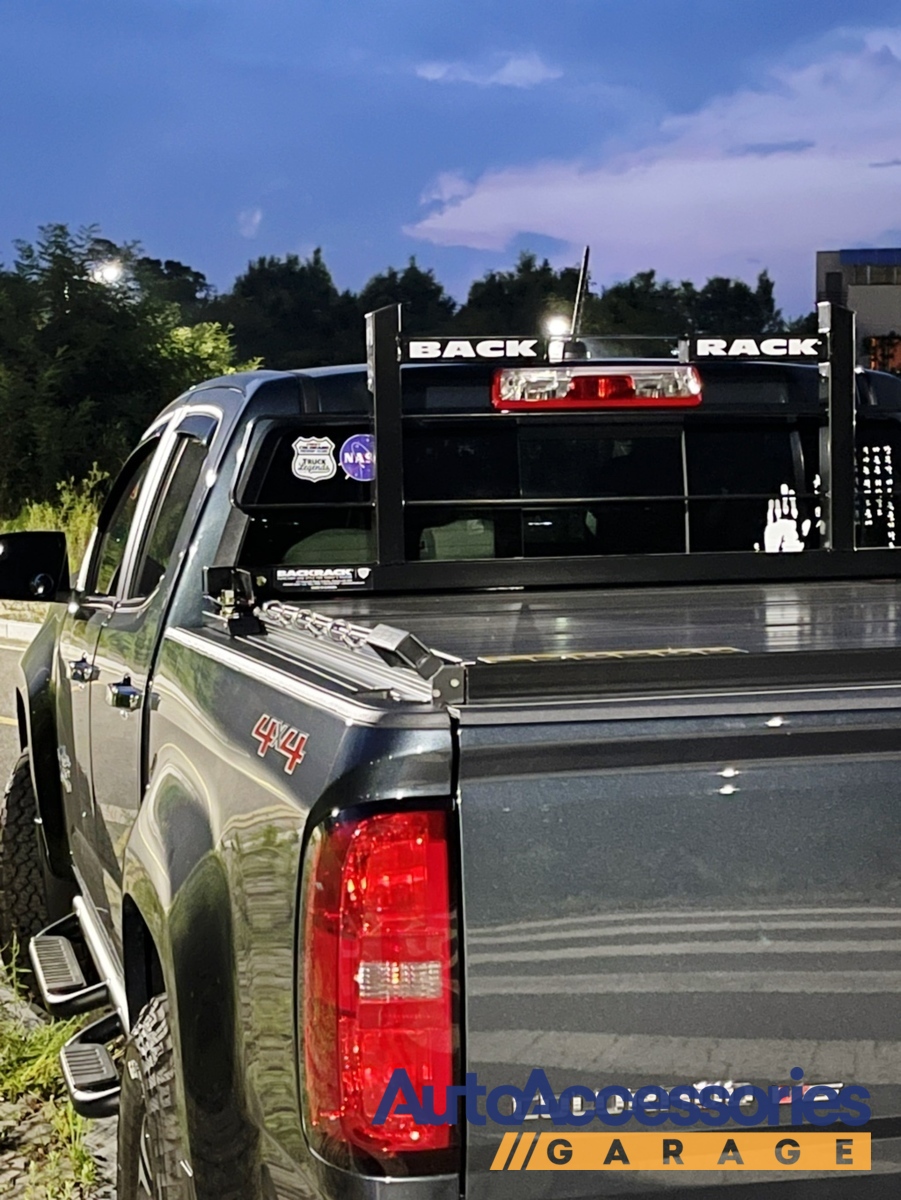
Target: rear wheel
<point>30,895</point>
<point>151,1158</point>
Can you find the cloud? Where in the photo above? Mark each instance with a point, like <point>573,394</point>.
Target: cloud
<point>516,70</point>
<point>249,222</point>
<point>450,185</point>
<point>690,204</point>
<point>892,162</point>
<point>765,149</point>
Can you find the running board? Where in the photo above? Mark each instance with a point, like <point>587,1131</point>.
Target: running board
<point>59,974</point>
<point>88,1070</point>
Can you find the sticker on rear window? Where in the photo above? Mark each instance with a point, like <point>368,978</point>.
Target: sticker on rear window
<point>314,459</point>
<point>357,457</point>
<point>322,578</point>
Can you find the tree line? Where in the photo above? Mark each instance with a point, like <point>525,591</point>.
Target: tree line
<point>95,336</point>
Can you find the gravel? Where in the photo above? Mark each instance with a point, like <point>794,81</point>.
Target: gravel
<point>34,1162</point>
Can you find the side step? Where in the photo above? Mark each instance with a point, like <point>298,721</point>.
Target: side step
<point>59,974</point>
<point>90,1074</point>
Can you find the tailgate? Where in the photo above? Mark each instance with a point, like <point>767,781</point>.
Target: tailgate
<point>677,894</point>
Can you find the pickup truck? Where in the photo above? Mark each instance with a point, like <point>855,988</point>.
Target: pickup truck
<point>479,710</point>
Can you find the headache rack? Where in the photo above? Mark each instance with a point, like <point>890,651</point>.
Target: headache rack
<point>837,555</point>
<point>617,459</point>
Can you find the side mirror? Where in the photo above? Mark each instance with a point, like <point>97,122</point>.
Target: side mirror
<point>33,566</point>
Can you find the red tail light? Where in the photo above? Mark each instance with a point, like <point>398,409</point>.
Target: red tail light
<point>377,983</point>
<point>535,388</point>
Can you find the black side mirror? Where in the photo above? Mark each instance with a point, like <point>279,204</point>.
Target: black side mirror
<point>33,566</point>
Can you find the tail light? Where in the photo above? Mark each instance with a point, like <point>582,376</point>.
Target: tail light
<point>535,388</point>
<point>377,982</point>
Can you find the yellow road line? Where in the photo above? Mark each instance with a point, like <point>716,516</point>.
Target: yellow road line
<point>8,721</point>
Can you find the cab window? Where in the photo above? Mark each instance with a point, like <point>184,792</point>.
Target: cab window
<point>116,521</point>
<point>167,519</point>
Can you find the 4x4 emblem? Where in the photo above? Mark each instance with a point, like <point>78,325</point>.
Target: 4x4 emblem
<point>286,739</point>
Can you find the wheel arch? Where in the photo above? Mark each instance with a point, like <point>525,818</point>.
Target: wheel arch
<point>178,937</point>
<point>141,961</point>
<point>36,721</point>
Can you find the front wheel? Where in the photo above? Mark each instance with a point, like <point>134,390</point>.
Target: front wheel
<point>151,1161</point>
<point>25,877</point>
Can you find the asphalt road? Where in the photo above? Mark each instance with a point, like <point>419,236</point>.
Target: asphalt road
<point>9,738</point>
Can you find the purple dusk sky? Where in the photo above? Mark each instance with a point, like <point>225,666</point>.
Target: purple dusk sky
<point>699,138</point>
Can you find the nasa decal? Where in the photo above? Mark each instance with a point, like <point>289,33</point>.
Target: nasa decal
<point>314,459</point>
<point>357,457</point>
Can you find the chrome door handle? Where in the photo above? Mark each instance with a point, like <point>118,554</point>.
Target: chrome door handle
<point>123,695</point>
<point>82,671</point>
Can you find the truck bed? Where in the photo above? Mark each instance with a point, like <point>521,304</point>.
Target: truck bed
<point>657,893</point>
<point>755,618</point>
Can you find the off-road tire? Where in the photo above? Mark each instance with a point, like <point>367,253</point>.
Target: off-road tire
<point>148,1118</point>
<point>23,893</point>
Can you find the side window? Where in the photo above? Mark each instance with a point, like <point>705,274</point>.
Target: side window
<point>103,574</point>
<point>169,514</point>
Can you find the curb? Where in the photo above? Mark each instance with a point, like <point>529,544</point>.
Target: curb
<point>19,633</point>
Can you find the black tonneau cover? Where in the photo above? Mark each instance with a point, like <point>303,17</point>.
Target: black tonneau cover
<point>759,618</point>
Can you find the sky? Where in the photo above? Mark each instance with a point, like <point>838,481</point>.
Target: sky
<point>694,137</point>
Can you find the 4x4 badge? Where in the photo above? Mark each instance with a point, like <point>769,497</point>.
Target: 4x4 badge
<point>286,739</point>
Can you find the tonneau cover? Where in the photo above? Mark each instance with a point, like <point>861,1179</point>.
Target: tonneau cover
<point>756,618</point>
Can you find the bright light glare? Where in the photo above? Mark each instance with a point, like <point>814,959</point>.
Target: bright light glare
<point>557,326</point>
<point>108,272</point>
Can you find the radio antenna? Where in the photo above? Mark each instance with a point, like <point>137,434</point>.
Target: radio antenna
<point>581,290</point>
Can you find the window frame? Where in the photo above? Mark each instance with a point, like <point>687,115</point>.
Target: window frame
<point>199,424</point>
<point>159,445</point>
<point>148,451</point>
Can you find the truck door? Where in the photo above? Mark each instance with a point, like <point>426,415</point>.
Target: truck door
<point>92,604</point>
<point>126,648</point>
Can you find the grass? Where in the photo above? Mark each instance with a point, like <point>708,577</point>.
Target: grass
<point>40,1132</point>
<point>74,513</point>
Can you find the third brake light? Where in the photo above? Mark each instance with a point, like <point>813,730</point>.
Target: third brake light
<point>574,387</point>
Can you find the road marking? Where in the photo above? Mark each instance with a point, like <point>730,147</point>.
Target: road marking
<point>7,721</point>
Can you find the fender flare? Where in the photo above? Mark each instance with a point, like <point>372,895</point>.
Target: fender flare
<point>176,887</point>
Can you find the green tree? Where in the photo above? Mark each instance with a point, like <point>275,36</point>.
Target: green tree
<point>288,312</point>
<point>87,357</point>
<point>176,283</point>
<point>427,308</point>
<point>517,301</point>
<point>641,305</point>
<point>731,306</point>
<point>646,305</point>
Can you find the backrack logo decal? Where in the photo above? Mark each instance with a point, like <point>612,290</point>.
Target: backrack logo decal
<point>749,347</point>
<point>285,739</point>
<point>450,348</point>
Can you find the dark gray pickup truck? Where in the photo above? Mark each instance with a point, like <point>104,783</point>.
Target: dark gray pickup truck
<point>499,711</point>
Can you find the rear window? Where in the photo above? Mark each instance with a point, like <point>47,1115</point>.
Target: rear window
<point>509,486</point>
<point>740,473</point>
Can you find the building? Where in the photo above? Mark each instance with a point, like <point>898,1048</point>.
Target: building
<point>869,281</point>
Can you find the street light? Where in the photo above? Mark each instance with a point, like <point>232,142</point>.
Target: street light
<point>557,326</point>
<point>109,272</point>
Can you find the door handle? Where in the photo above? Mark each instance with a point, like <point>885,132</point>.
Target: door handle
<point>82,671</point>
<point>123,695</point>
